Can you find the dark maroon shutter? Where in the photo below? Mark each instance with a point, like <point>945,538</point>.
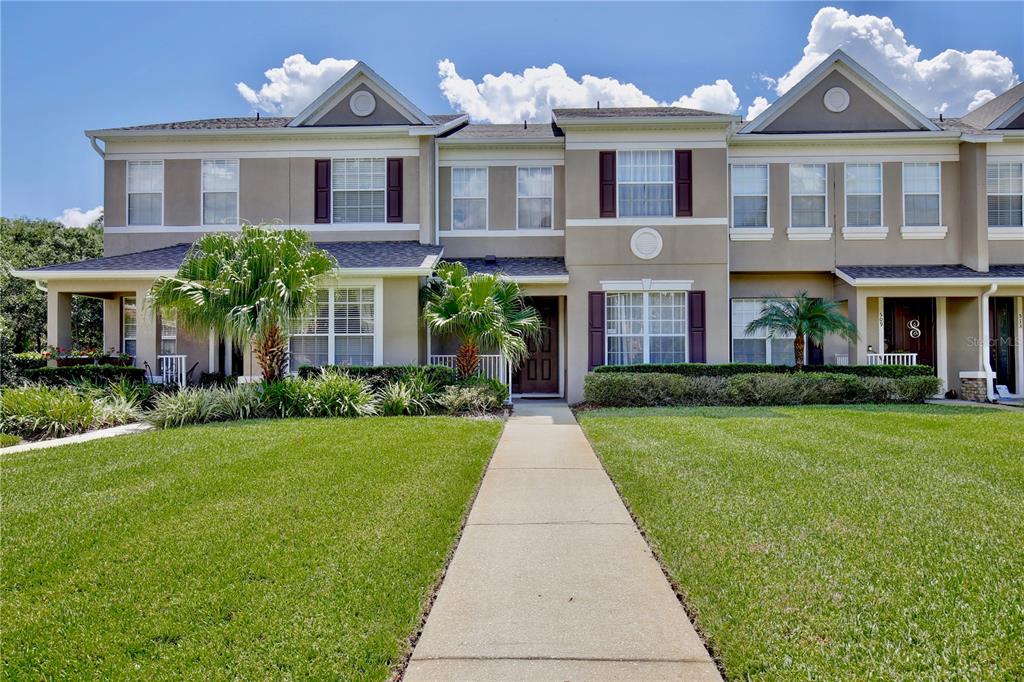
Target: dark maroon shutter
<point>606,191</point>
<point>684,182</point>
<point>394,198</point>
<point>595,323</point>
<point>698,335</point>
<point>322,191</point>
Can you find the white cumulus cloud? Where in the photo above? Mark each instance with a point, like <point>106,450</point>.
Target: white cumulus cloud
<point>294,84</point>
<point>76,217</point>
<point>980,97</point>
<point>949,83</point>
<point>532,94</point>
<point>756,107</point>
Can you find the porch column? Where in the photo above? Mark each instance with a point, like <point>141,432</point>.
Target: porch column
<point>112,324</point>
<point>881,325</point>
<point>211,359</point>
<point>860,318</point>
<point>941,344</point>
<point>147,343</point>
<point>58,319</point>
<point>1018,316</point>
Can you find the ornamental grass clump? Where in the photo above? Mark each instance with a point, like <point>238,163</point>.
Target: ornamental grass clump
<point>398,398</point>
<point>187,406</point>
<point>338,395</point>
<point>38,411</point>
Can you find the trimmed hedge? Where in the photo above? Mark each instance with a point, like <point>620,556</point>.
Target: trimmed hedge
<point>438,375</point>
<point>97,374</point>
<point>622,389</point>
<point>694,369</point>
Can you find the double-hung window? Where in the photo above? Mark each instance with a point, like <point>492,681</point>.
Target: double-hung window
<point>863,195</point>
<point>757,347</point>
<point>750,195</point>
<point>168,334</point>
<point>1005,183</point>
<point>129,325</point>
<point>645,327</point>
<point>358,189</point>
<point>145,192</point>
<point>921,192</point>
<point>469,198</point>
<point>646,180</point>
<point>220,192</point>
<point>341,330</point>
<point>807,195</point>
<point>535,197</point>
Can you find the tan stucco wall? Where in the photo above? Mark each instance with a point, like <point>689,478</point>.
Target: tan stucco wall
<point>341,114</point>
<point>115,198</point>
<point>410,189</point>
<point>501,198</point>
<point>182,190</point>
<point>963,320</point>
<point>401,321</point>
<point>504,247</point>
<point>264,191</point>
<point>300,197</point>
<point>581,184</point>
<point>426,194</point>
<point>444,182</point>
<point>680,244</point>
<point>809,114</point>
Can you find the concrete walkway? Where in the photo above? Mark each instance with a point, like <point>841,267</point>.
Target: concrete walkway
<point>123,430</point>
<point>552,580</point>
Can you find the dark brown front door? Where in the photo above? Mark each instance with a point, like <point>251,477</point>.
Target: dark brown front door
<point>910,328</point>
<point>539,374</point>
<point>1002,343</point>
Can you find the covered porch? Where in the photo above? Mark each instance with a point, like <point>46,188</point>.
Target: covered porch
<point>967,325</point>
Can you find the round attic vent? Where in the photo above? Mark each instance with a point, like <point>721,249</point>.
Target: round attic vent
<point>836,100</point>
<point>362,103</point>
<point>645,243</point>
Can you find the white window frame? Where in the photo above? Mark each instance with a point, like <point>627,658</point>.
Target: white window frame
<point>486,197</point>
<point>383,190</point>
<point>903,184</point>
<point>128,194</point>
<point>378,320</point>
<point>134,307</point>
<point>824,194</point>
<point>519,196</point>
<point>847,194</point>
<point>203,190</point>
<point>168,332</point>
<point>766,338</point>
<point>671,183</point>
<point>767,195</point>
<point>988,193</point>
<point>646,334</point>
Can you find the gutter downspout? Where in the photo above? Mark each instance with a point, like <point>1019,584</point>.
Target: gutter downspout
<point>437,197</point>
<point>96,147</point>
<point>42,286</point>
<point>986,355</point>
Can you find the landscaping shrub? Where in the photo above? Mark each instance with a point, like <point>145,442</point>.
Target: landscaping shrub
<point>620,389</point>
<point>467,399</point>
<point>188,406</point>
<point>216,379</point>
<point>285,398</point>
<point>493,387</point>
<point>8,439</point>
<point>732,369</point>
<point>241,401</point>
<point>14,366</point>
<point>338,395</point>
<point>403,398</point>
<point>36,411</point>
<point>96,374</point>
<point>377,377</point>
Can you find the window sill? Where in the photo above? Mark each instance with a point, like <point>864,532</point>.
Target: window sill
<point>923,232</point>
<point>875,232</point>
<point>809,233</point>
<point>751,234</point>
<point>666,221</point>
<point>542,232</point>
<point>1000,233</point>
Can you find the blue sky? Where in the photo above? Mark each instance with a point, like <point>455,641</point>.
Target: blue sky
<point>69,67</point>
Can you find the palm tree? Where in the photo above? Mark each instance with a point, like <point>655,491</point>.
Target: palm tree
<point>807,317</point>
<point>254,285</point>
<point>482,310</point>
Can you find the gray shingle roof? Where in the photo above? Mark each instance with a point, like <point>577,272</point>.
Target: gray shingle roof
<point>243,122</point>
<point>518,267</point>
<point>929,271</point>
<point>515,131</point>
<point>620,112</point>
<point>348,254</point>
<point>983,116</point>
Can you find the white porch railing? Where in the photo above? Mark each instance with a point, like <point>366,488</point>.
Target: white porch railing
<point>172,369</point>
<point>491,366</point>
<point>892,358</point>
<point>842,359</point>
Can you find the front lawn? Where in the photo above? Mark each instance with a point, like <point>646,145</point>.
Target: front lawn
<point>832,542</point>
<point>261,550</point>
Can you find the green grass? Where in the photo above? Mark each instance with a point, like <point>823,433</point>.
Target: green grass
<point>7,439</point>
<point>835,543</point>
<point>260,550</point>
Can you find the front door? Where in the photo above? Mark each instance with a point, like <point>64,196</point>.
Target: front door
<point>539,374</point>
<point>910,328</point>
<point>1002,343</point>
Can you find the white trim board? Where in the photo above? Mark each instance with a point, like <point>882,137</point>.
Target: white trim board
<point>540,232</point>
<point>317,227</point>
<point>330,97</point>
<point>667,221</point>
<point>647,285</point>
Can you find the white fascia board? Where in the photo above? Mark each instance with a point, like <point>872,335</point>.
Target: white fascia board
<point>747,139</point>
<point>537,279</point>
<point>926,281</point>
<point>1009,115</point>
<point>491,142</point>
<point>981,137</point>
<point>91,274</point>
<point>438,129</point>
<point>724,120</point>
<point>326,98</point>
<point>321,131</point>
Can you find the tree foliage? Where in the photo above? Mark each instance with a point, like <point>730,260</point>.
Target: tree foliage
<point>28,243</point>
<point>808,318</point>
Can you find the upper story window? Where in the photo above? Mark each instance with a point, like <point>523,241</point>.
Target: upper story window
<point>535,197</point>
<point>1005,183</point>
<point>750,195</point>
<point>645,183</point>
<point>864,194</point>
<point>358,189</point>
<point>469,198</point>
<point>807,195</point>
<point>921,192</point>
<point>757,347</point>
<point>145,192</point>
<point>645,327</point>
<point>341,330</point>
<point>220,192</point>
<point>129,325</point>
<point>168,334</point>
